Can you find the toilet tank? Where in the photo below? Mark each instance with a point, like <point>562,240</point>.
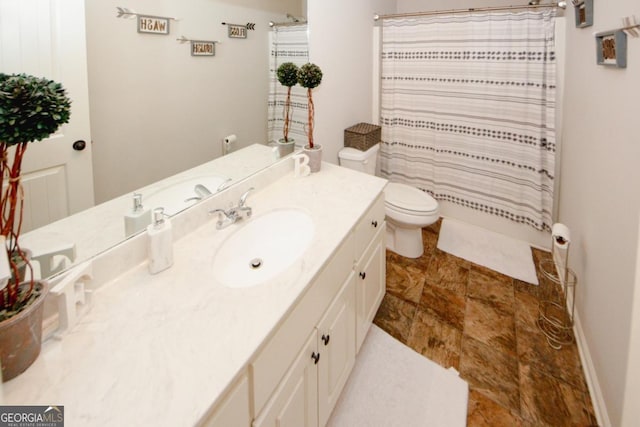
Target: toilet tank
<point>363,161</point>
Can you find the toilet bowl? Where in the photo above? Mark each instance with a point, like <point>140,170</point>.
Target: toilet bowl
<point>407,209</point>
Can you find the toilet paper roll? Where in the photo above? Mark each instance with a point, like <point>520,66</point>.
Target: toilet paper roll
<point>561,234</point>
<point>228,143</point>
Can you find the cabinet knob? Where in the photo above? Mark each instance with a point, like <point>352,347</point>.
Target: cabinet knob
<point>374,223</point>
<point>362,275</point>
<point>316,357</point>
<point>326,338</point>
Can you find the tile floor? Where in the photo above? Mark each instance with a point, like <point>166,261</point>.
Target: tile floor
<point>483,323</point>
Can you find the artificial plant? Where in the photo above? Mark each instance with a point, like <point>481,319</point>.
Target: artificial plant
<point>287,76</point>
<point>309,77</point>
<point>31,109</point>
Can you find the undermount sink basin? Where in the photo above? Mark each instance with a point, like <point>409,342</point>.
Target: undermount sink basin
<point>263,247</point>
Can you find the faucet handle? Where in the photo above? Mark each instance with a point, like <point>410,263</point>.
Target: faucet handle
<point>227,218</point>
<point>215,211</point>
<point>243,198</point>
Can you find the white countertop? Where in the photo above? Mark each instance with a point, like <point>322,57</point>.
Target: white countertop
<point>101,227</point>
<point>159,350</point>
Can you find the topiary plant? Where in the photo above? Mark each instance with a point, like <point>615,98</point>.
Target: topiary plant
<point>31,109</point>
<point>309,77</point>
<point>287,76</point>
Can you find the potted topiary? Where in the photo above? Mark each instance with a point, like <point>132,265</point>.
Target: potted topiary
<point>309,77</point>
<point>287,76</point>
<point>31,109</point>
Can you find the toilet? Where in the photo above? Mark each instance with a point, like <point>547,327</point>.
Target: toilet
<point>407,209</point>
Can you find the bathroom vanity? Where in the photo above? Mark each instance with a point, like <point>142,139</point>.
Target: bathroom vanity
<point>181,348</point>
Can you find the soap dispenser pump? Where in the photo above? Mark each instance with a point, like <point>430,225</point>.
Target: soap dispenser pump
<point>138,218</point>
<point>160,242</point>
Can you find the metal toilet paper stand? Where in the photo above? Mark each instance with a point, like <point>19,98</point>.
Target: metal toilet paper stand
<point>557,297</point>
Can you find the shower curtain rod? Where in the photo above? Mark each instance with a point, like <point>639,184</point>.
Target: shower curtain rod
<point>560,4</point>
<point>286,24</point>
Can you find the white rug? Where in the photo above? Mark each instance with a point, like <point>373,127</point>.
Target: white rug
<point>495,251</point>
<point>391,386</point>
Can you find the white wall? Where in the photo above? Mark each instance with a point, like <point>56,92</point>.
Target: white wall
<point>600,200</point>
<point>155,110</point>
<point>631,409</point>
<point>340,42</point>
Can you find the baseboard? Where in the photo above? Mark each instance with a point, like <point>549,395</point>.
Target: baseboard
<point>602,416</point>
<point>597,399</point>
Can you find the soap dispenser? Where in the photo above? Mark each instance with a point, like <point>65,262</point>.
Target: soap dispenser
<point>160,242</point>
<point>138,218</point>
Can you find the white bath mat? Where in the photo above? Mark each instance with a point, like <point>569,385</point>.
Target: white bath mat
<point>495,251</point>
<point>392,385</point>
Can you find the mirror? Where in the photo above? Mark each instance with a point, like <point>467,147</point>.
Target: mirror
<point>159,115</point>
<point>155,109</point>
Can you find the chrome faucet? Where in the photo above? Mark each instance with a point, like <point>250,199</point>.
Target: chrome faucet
<point>201,191</point>
<point>233,214</point>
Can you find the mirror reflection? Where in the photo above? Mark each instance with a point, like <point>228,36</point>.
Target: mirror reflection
<point>145,108</point>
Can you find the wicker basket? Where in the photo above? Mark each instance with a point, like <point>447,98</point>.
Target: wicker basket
<point>362,136</point>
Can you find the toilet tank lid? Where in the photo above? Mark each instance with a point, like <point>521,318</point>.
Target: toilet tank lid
<point>407,197</point>
<point>350,153</point>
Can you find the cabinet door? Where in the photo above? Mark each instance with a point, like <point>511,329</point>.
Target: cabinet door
<point>295,401</point>
<point>370,285</point>
<point>337,346</point>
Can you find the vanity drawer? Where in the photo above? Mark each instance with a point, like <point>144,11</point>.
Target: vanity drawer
<point>368,225</point>
<point>279,353</point>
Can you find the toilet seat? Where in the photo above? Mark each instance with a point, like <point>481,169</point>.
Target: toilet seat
<point>409,200</point>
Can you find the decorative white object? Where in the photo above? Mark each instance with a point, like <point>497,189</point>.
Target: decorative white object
<point>631,26</point>
<point>53,257</point>
<point>301,165</point>
<point>74,300</point>
<point>138,218</point>
<point>160,242</point>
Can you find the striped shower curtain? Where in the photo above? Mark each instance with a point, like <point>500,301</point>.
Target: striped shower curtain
<point>287,44</point>
<point>468,110</point>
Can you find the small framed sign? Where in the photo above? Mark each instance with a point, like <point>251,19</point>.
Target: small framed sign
<point>584,13</point>
<point>203,48</point>
<point>153,25</point>
<point>611,48</point>
<point>237,31</point>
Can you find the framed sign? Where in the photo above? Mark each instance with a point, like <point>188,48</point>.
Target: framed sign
<point>584,13</point>
<point>203,48</point>
<point>153,25</point>
<point>611,48</point>
<point>237,31</point>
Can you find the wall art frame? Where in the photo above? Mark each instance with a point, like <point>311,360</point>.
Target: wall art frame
<point>611,48</point>
<point>583,13</point>
<point>148,24</point>
<point>203,48</point>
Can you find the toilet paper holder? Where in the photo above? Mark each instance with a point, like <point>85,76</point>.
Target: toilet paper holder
<point>557,291</point>
<point>228,144</point>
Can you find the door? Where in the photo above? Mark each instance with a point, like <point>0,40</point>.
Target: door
<point>46,38</point>
<point>337,347</point>
<point>370,285</point>
<point>295,401</point>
